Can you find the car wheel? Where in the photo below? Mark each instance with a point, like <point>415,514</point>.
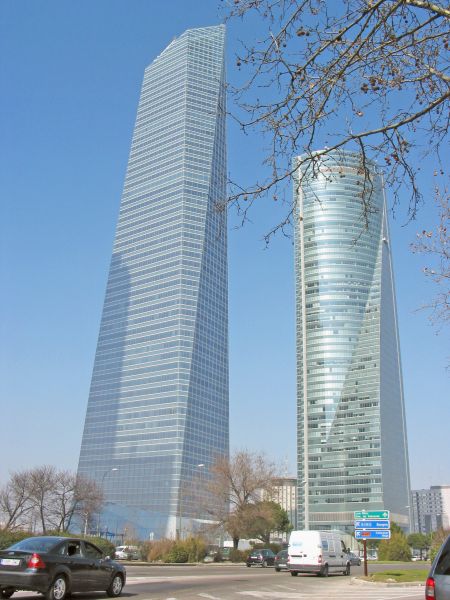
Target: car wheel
<point>249,566</point>
<point>347,570</point>
<point>115,589</point>
<point>324,571</point>
<point>277,569</point>
<point>264,564</point>
<point>58,589</point>
<point>7,592</point>
<point>294,573</point>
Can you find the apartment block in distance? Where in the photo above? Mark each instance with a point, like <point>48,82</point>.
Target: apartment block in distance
<point>430,509</point>
<point>157,414</point>
<point>352,446</point>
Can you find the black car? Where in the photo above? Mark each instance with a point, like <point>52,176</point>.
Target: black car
<point>353,559</point>
<point>282,561</point>
<point>263,558</point>
<point>58,566</point>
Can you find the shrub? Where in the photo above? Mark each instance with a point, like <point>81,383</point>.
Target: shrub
<point>144,549</point>
<point>7,538</point>
<point>195,548</point>
<point>238,555</point>
<point>177,554</point>
<point>437,540</point>
<point>105,546</point>
<point>159,549</point>
<point>395,549</point>
<point>218,557</point>
<point>274,547</point>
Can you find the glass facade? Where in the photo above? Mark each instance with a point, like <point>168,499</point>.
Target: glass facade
<point>158,405</point>
<point>352,447</point>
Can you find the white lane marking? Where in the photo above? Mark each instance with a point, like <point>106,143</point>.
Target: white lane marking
<point>210,597</point>
<point>266,594</point>
<point>400,594</point>
<point>136,581</point>
<point>404,594</point>
<point>159,579</point>
<point>286,587</point>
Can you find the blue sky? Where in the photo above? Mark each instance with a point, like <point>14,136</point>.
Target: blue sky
<point>70,75</point>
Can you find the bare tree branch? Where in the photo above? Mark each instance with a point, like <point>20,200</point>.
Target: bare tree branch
<point>435,244</point>
<point>15,501</point>
<point>314,63</point>
<point>370,76</point>
<point>431,6</point>
<point>52,497</point>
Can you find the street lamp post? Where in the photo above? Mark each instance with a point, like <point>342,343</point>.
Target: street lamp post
<point>304,360</point>
<point>180,504</point>
<point>410,517</point>
<point>107,472</point>
<point>304,484</point>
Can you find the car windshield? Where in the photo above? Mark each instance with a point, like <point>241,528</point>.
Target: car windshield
<point>37,544</point>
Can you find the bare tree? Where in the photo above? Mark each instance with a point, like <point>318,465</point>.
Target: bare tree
<point>62,501</point>
<point>435,244</point>
<point>51,498</point>
<point>364,75</point>
<point>41,485</point>
<point>87,500</point>
<point>234,484</point>
<point>72,495</point>
<point>15,503</point>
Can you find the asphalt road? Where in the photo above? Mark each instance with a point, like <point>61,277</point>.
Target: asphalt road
<point>236,582</point>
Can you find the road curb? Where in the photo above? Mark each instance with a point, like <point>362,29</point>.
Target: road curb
<point>405,584</point>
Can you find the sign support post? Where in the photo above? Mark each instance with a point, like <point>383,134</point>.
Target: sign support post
<point>371,525</point>
<point>365,558</point>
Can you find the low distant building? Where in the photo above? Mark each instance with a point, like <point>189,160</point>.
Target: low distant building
<point>430,509</point>
<point>285,494</point>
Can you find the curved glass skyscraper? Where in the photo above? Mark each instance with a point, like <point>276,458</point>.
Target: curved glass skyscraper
<point>158,402</point>
<point>352,446</point>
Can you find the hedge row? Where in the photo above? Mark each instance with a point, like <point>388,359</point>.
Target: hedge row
<point>8,538</point>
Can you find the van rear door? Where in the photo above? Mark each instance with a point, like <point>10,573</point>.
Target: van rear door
<point>304,549</point>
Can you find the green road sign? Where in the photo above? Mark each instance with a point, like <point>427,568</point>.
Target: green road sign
<point>371,514</point>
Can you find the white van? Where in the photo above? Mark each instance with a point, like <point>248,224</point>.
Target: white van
<point>319,552</point>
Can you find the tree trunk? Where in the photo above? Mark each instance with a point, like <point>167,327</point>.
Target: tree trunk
<point>235,542</point>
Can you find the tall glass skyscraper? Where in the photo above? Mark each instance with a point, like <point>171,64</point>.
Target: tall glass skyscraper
<point>352,446</point>
<point>158,403</point>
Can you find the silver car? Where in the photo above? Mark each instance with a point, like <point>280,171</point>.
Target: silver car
<point>438,582</point>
